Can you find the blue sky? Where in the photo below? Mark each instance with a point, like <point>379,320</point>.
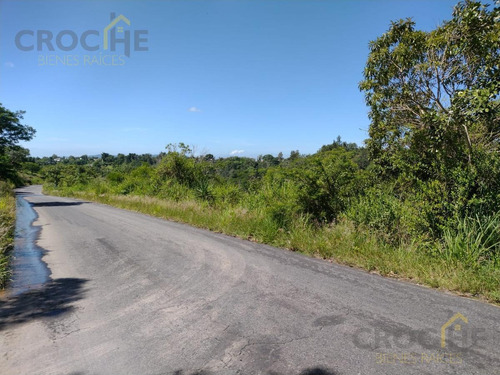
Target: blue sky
<point>243,77</point>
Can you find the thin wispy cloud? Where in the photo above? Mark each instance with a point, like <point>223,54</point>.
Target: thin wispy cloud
<point>9,64</point>
<point>237,152</point>
<point>194,109</point>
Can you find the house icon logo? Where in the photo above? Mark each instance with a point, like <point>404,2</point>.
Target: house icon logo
<point>457,326</point>
<point>111,25</point>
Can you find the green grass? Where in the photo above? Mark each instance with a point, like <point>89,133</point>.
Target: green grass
<point>7,225</point>
<point>474,241</point>
<point>343,242</point>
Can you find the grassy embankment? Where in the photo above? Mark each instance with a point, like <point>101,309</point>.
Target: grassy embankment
<point>342,242</point>
<point>7,225</point>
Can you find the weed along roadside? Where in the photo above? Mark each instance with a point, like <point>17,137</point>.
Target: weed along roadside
<point>7,224</point>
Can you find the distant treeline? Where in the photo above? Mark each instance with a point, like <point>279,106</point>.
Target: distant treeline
<point>321,183</point>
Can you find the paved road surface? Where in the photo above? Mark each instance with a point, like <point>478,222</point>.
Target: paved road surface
<point>132,294</point>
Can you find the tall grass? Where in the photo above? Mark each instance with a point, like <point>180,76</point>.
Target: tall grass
<point>475,241</point>
<point>7,224</point>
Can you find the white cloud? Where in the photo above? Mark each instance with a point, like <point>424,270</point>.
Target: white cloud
<point>9,64</point>
<point>194,109</point>
<point>237,152</point>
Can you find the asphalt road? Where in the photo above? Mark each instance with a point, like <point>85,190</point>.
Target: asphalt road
<point>132,294</point>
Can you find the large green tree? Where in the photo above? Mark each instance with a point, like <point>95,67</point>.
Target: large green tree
<point>11,133</point>
<point>434,107</point>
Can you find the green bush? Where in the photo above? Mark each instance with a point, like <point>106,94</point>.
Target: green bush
<point>177,166</point>
<point>381,211</point>
<point>204,191</point>
<point>227,194</point>
<point>326,183</point>
<point>115,177</point>
<point>175,191</point>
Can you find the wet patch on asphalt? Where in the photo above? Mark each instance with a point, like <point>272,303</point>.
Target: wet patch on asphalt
<point>29,271</point>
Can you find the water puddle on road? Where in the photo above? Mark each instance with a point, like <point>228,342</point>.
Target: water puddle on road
<point>28,269</point>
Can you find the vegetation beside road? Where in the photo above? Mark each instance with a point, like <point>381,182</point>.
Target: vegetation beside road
<point>7,224</point>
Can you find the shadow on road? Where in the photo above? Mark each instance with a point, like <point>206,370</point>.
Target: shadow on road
<point>27,193</point>
<point>308,371</point>
<point>56,204</point>
<point>318,371</point>
<point>53,299</point>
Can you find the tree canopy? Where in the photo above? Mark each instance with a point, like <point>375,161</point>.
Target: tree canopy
<point>11,129</point>
<point>433,95</point>
<point>11,133</point>
<point>434,106</point>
